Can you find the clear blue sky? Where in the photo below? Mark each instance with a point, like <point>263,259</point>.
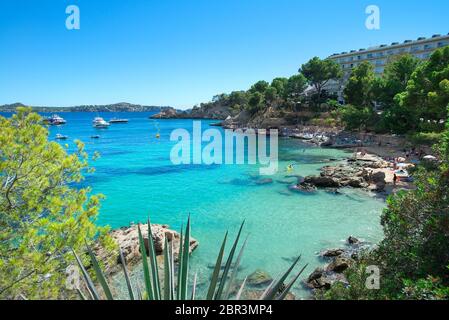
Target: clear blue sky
<point>182,52</point>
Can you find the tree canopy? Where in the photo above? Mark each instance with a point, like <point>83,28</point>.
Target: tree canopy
<point>42,214</point>
<point>319,72</point>
<point>359,89</point>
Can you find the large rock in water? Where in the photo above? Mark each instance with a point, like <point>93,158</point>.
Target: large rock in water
<point>321,181</point>
<point>330,253</point>
<point>127,238</point>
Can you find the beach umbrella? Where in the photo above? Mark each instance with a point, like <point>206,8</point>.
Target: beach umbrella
<point>429,157</point>
<point>401,159</point>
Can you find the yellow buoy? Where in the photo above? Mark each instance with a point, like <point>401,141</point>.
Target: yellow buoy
<point>158,136</point>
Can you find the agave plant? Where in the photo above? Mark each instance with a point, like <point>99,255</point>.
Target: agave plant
<point>175,280</point>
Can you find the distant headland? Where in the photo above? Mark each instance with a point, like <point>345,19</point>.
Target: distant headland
<point>116,107</point>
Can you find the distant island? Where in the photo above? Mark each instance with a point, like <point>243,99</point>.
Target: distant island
<point>116,107</point>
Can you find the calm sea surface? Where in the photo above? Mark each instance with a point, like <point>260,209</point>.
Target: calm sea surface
<point>137,178</point>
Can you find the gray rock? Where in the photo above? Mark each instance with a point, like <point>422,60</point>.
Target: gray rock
<point>321,181</point>
<point>339,264</point>
<point>259,278</point>
<point>353,240</point>
<point>321,279</point>
<point>330,253</point>
<point>378,177</point>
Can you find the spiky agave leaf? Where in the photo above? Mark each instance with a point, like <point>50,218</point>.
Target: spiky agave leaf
<point>235,270</point>
<point>167,272</point>
<point>185,262</point>
<point>194,286</point>
<point>172,264</point>
<point>290,285</point>
<point>90,284</point>
<point>125,272</point>
<point>146,270</point>
<point>100,276</point>
<point>153,264</point>
<point>276,286</point>
<point>239,293</point>
<point>180,253</point>
<point>228,265</point>
<point>81,294</point>
<point>216,272</point>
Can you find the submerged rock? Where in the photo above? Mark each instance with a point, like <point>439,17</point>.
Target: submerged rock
<point>261,182</point>
<point>259,278</point>
<point>303,187</point>
<point>353,240</point>
<point>321,182</point>
<point>330,253</point>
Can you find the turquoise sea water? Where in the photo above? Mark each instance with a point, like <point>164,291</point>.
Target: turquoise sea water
<point>137,178</point>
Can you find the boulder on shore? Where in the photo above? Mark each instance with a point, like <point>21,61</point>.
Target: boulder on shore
<point>127,238</point>
<point>339,264</point>
<point>321,279</point>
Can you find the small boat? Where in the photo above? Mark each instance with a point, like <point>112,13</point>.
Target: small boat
<point>55,120</point>
<point>116,120</point>
<point>61,137</point>
<point>95,137</point>
<point>100,123</point>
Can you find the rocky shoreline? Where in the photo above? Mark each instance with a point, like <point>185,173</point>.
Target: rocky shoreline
<point>127,239</point>
<point>338,261</point>
<point>367,172</point>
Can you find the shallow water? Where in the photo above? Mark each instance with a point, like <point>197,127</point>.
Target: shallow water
<point>137,178</point>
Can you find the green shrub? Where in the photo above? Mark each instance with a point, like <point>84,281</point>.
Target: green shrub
<point>425,138</point>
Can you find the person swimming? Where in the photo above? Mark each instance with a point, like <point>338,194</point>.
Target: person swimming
<point>290,167</point>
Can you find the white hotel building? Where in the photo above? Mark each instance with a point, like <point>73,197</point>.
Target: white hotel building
<point>379,56</point>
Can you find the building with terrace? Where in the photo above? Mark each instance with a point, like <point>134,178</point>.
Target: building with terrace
<point>379,56</point>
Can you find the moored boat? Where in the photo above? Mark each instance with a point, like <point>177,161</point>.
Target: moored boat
<point>61,137</point>
<point>117,120</point>
<point>99,122</point>
<point>55,120</point>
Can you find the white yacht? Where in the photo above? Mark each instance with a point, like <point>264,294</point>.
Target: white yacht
<point>55,120</point>
<point>100,123</point>
<point>61,137</point>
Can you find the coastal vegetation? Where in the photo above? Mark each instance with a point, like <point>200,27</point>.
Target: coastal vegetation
<point>414,255</point>
<point>42,214</point>
<point>116,107</point>
<point>282,94</point>
<point>409,98</point>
